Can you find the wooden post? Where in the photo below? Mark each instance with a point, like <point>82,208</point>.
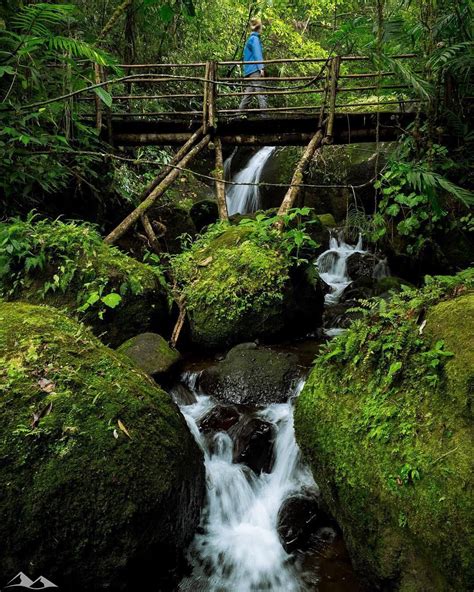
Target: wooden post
<point>325,95</point>
<point>98,101</point>
<point>335,65</point>
<point>211,113</point>
<point>122,228</point>
<point>220,185</point>
<point>205,98</point>
<point>297,179</point>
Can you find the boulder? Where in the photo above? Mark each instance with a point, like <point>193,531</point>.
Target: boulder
<point>252,376</point>
<point>385,421</point>
<point>203,213</point>
<point>238,289</point>
<point>115,294</point>
<point>219,419</point>
<point>253,443</point>
<point>151,353</point>
<point>299,517</point>
<point>100,473</point>
<point>182,395</point>
<point>361,265</point>
<point>177,222</point>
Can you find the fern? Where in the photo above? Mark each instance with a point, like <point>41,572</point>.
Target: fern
<point>427,181</point>
<point>36,19</point>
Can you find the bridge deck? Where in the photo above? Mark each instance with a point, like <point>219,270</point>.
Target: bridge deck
<point>292,129</point>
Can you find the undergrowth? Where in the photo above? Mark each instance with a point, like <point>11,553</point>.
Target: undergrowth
<point>43,258</point>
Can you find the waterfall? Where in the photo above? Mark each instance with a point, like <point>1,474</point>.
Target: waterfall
<point>238,548</point>
<point>332,266</point>
<point>242,199</point>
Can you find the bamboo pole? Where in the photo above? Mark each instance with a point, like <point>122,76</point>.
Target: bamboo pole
<point>122,228</point>
<point>212,96</point>
<point>336,62</point>
<point>220,185</point>
<point>297,179</point>
<point>98,101</point>
<point>205,100</point>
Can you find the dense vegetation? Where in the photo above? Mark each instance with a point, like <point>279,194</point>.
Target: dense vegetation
<point>90,447</point>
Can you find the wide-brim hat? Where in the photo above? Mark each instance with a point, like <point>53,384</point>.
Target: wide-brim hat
<point>255,23</point>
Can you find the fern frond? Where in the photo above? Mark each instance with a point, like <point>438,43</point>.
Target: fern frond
<point>78,49</point>
<point>426,181</point>
<point>421,86</point>
<point>37,19</point>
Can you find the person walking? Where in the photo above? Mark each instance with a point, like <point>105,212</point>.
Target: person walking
<point>253,52</point>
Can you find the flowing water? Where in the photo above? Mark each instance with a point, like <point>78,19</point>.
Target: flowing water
<point>242,199</point>
<point>332,266</point>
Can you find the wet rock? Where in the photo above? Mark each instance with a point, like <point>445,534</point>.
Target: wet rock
<point>219,419</point>
<point>251,376</point>
<point>150,352</point>
<point>253,443</point>
<point>203,213</point>
<point>182,395</point>
<point>298,518</point>
<point>337,315</point>
<point>361,265</point>
<point>361,288</point>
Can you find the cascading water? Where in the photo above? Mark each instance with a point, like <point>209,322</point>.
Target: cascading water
<point>242,199</point>
<point>238,548</point>
<point>332,266</point>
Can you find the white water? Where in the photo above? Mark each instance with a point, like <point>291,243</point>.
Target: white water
<point>238,549</point>
<point>332,266</point>
<point>242,199</point>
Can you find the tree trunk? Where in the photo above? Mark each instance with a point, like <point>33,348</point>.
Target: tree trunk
<point>117,13</point>
<point>297,179</point>
<point>122,228</point>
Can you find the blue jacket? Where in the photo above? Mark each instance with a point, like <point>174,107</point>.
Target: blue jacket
<point>253,53</point>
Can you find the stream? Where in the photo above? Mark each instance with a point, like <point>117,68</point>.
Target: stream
<point>240,545</point>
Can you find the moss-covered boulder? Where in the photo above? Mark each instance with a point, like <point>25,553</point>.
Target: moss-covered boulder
<point>101,480</point>
<point>240,283</point>
<point>386,422</point>
<point>150,352</point>
<point>67,265</point>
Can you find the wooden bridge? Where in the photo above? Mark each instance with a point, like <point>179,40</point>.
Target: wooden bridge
<point>340,99</point>
<point>165,104</point>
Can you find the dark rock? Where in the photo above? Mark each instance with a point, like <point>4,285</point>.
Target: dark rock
<point>182,395</point>
<point>150,352</point>
<point>219,419</point>
<point>298,518</point>
<point>389,284</point>
<point>361,265</point>
<point>256,376</point>
<point>253,443</point>
<point>337,315</point>
<point>203,213</point>
<point>177,222</point>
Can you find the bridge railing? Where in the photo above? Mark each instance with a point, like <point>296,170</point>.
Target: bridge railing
<point>210,91</point>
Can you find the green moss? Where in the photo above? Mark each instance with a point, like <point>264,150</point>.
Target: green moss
<point>78,492</point>
<point>67,264</point>
<point>233,285</point>
<point>327,220</point>
<point>150,352</point>
<point>385,420</point>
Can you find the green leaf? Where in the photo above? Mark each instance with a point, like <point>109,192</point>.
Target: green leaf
<point>104,96</point>
<point>112,300</point>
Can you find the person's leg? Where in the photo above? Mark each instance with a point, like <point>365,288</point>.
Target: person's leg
<point>262,98</point>
<point>250,88</point>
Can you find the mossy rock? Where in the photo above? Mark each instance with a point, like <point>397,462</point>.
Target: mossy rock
<point>150,352</point>
<point>100,474</point>
<point>237,289</point>
<point>67,265</point>
<point>385,421</point>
